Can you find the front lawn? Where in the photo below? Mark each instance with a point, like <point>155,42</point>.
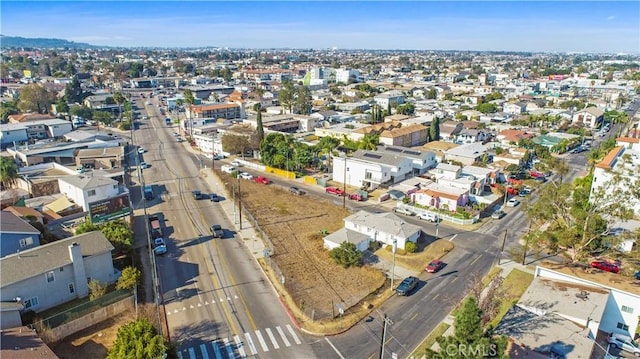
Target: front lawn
<point>515,284</point>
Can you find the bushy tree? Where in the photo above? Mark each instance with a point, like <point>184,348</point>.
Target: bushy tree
<point>117,232</point>
<point>434,130</point>
<point>34,98</point>
<point>73,92</point>
<point>138,340</point>
<point>96,289</point>
<point>346,255</point>
<point>129,278</point>
<point>8,172</point>
<point>410,247</point>
<point>259,126</point>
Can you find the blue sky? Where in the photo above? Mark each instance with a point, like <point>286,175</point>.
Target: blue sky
<point>611,27</point>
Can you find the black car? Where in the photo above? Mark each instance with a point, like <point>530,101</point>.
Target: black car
<point>407,285</point>
<point>198,195</point>
<point>296,190</point>
<point>214,197</point>
<point>217,231</point>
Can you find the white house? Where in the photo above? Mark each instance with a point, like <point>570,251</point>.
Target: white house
<point>467,154</point>
<point>440,196</point>
<point>389,98</point>
<point>57,272</point>
<point>12,132</point>
<point>514,108</point>
<point>590,117</point>
<point>618,171</point>
<point>84,190</point>
<point>363,227</point>
<point>471,136</point>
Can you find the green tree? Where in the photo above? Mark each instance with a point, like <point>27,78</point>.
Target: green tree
<point>102,116</point>
<point>286,96</point>
<point>303,100</point>
<point>119,99</point>
<point>73,91</point>
<point>8,172</point>
<point>81,111</point>
<point>8,108</point>
<point>434,130</point>
<point>259,126</point>
<point>117,232</point>
<point>346,255</point>
<point>236,143</point>
<point>138,340</point>
<point>487,108</point>
<point>130,278</point>
<point>34,98</point>
<point>189,99</point>
<point>96,289</point>
<point>369,142</point>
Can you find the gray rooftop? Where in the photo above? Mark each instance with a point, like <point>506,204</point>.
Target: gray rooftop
<point>83,181</point>
<point>344,234</point>
<point>471,150</point>
<point>384,222</point>
<point>23,343</point>
<point>10,223</point>
<point>402,151</point>
<point>387,158</point>
<point>38,260</point>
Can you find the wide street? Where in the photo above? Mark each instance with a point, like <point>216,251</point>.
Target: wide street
<point>217,301</point>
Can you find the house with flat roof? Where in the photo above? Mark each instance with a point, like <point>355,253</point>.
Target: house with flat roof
<point>57,272</point>
<point>615,175</point>
<point>467,154</point>
<point>364,227</point>
<point>16,234</point>
<point>98,195</point>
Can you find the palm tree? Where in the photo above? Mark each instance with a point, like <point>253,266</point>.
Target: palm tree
<point>119,99</point>
<point>8,172</point>
<point>189,99</point>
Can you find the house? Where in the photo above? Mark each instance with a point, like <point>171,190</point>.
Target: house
<point>449,131</point>
<point>26,214</point>
<point>57,272</point>
<point>16,234</point>
<point>389,98</point>
<point>618,172</point>
<point>364,227</point>
<point>440,196</point>
<point>102,197</point>
<point>590,117</point>
<point>471,136</point>
<point>20,342</point>
<point>467,154</point>
<point>509,136</point>
<point>514,108</point>
<point>227,111</point>
<point>33,130</point>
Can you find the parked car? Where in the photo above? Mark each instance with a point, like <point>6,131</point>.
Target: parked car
<point>356,197</point>
<point>159,246</point>
<point>217,231</point>
<point>334,190</point>
<point>435,266</point>
<point>624,342</point>
<point>261,179</point>
<point>227,169</point>
<point>605,266</point>
<point>431,217</point>
<point>296,190</point>
<point>141,150</point>
<point>498,214</point>
<point>513,202</point>
<point>214,197</point>
<point>246,175</point>
<point>236,163</point>
<point>407,285</point>
<point>144,165</point>
<point>403,211</point>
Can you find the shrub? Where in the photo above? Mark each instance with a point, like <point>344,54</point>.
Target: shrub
<point>347,255</point>
<point>410,247</point>
<point>96,289</point>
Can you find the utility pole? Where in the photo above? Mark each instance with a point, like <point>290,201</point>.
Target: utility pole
<point>344,182</point>
<point>239,203</point>
<point>437,224</point>
<point>393,266</point>
<point>385,321</point>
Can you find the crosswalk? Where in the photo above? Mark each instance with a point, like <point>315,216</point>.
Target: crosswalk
<point>243,345</point>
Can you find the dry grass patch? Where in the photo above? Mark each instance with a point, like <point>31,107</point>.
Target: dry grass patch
<point>419,260</point>
<point>315,284</point>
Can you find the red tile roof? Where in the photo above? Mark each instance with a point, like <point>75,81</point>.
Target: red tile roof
<point>609,158</point>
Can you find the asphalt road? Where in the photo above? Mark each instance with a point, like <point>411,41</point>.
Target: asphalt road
<point>218,303</point>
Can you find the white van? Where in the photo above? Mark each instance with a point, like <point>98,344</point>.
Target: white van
<point>228,169</point>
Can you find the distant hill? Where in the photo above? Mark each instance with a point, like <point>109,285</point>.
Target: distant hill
<point>16,41</point>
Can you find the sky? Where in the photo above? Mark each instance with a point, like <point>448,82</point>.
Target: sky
<point>551,26</point>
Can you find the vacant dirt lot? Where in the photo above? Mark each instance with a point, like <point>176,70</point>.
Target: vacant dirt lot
<point>293,225</point>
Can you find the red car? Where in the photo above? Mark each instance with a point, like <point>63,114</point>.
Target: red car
<point>356,197</point>
<point>334,190</point>
<point>605,266</point>
<point>261,179</point>
<point>435,266</point>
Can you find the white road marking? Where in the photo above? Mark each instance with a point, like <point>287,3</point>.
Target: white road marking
<point>203,349</point>
<point>334,348</point>
<point>454,236</point>
<point>273,339</point>
<point>293,334</point>
<point>284,337</point>
<point>239,346</point>
<point>262,342</point>
<point>250,342</point>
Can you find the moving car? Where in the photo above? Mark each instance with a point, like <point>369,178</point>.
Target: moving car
<point>498,214</point>
<point>296,190</point>
<point>356,197</point>
<point>513,202</point>
<point>261,179</point>
<point>624,342</point>
<point>334,190</point>
<point>605,266</point>
<point>431,217</point>
<point>236,163</point>
<point>141,150</point>
<point>198,195</point>
<point>144,165</point>
<point>435,266</point>
<point>407,285</point>
<point>217,231</point>
<point>160,247</point>
<point>214,197</point>
<point>246,175</point>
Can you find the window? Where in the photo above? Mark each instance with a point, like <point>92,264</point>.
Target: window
<point>30,303</point>
<point>622,326</point>
<point>627,309</point>
<point>72,289</point>
<point>91,192</point>
<point>50,277</point>
<point>26,242</point>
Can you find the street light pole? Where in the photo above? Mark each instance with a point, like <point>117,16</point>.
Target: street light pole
<point>393,266</point>
<point>239,203</point>
<point>344,184</point>
<point>437,224</point>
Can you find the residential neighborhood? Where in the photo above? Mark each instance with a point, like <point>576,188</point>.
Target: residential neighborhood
<point>328,176</point>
